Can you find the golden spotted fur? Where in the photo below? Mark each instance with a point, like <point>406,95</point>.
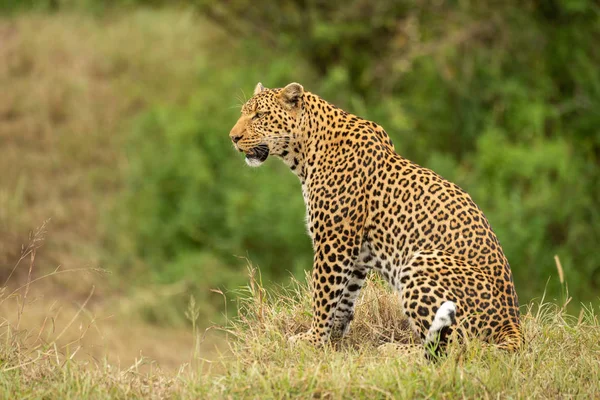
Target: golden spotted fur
<point>368,208</point>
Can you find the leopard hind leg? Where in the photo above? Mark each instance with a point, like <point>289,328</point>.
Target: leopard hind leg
<point>437,335</point>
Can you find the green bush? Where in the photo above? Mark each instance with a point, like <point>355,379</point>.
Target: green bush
<point>191,209</point>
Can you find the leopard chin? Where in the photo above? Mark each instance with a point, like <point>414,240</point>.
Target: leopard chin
<point>257,155</point>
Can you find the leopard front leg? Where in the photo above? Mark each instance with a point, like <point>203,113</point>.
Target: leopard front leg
<point>344,313</point>
<point>334,259</point>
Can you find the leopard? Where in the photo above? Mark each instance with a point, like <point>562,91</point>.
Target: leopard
<point>370,209</point>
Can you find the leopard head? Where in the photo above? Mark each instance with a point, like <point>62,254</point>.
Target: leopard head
<point>269,123</point>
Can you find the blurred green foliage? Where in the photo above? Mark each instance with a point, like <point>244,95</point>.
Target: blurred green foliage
<point>500,98</point>
<point>191,209</point>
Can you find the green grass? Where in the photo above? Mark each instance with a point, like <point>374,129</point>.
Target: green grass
<point>561,359</point>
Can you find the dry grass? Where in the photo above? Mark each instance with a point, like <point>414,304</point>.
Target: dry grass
<point>561,359</point>
<point>89,329</point>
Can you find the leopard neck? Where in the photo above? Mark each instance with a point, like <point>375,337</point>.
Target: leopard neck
<point>311,129</point>
<point>301,150</point>
<point>321,128</point>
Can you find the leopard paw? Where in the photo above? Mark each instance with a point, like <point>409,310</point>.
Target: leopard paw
<point>306,337</point>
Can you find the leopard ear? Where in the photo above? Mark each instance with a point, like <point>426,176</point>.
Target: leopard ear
<point>291,94</point>
<point>259,88</point>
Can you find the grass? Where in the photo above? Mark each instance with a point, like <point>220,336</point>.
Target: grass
<point>561,358</point>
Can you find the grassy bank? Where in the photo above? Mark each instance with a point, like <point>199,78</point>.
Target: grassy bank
<point>561,359</point>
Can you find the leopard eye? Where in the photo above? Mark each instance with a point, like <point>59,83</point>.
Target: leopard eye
<point>257,115</point>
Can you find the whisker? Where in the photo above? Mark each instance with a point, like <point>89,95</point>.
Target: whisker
<point>241,97</point>
<point>279,136</point>
<point>287,139</point>
<point>253,143</point>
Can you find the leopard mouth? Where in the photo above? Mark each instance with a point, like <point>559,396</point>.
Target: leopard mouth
<point>257,155</point>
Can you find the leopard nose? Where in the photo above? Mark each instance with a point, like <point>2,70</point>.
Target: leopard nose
<point>236,139</point>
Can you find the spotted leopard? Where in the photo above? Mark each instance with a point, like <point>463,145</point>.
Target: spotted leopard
<point>369,208</point>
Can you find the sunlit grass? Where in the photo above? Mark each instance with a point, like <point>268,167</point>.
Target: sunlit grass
<point>561,358</point>
<point>562,355</point>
